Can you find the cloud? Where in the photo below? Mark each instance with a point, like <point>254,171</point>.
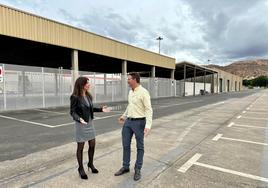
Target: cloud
<point>110,24</point>
<point>179,30</point>
<point>233,29</point>
<point>192,30</point>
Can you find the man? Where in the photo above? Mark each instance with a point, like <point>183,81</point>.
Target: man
<point>137,120</point>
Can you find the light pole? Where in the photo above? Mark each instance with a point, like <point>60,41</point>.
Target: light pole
<point>159,40</point>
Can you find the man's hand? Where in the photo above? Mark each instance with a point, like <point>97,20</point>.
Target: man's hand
<point>121,120</point>
<point>146,132</point>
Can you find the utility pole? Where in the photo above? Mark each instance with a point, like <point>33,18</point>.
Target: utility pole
<point>159,41</point>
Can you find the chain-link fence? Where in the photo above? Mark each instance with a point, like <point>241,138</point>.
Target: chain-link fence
<point>25,87</point>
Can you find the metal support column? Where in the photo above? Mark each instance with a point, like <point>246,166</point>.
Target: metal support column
<point>204,79</point>
<point>124,79</point>
<point>105,84</point>
<point>184,79</point>
<point>194,79</point>
<point>75,66</point>
<point>43,87</point>
<point>218,83</point>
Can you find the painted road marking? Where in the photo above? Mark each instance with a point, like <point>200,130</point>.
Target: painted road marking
<point>231,124</point>
<point>194,159</point>
<point>252,118</point>
<point>59,113</point>
<point>251,112</point>
<point>259,109</point>
<point>189,163</point>
<point>52,126</point>
<point>219,136</point>
<point>248,126</point>
<point>238,117</point>
<point>166,106</point>
<point>26,121</point>
<point>219,103</point>
<point>96,119</point>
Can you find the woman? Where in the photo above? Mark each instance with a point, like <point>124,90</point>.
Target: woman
<point>81,110</point>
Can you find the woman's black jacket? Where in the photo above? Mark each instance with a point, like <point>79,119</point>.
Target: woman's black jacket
<point>80,109</point>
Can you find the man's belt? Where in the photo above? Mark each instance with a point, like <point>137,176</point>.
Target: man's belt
<point>136,119</point>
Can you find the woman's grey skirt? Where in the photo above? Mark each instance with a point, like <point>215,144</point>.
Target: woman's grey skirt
<point>83,132</point>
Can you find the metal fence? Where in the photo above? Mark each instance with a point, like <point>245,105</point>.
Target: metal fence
<point>25,87</point>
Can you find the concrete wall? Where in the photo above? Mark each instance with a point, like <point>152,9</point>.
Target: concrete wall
<point>189,88</point>
<point>235,82</point>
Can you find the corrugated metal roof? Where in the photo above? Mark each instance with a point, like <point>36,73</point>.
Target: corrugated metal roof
<point>24,25</point>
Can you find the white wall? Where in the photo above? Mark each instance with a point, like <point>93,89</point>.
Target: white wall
<point>189,87</point>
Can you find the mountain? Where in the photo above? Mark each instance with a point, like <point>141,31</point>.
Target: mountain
<point>246,69</point>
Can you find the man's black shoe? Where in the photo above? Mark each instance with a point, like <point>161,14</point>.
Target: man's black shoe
<point>137,174</point>
<point>121,171</point>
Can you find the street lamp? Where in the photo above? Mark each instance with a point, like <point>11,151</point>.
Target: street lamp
<point>159,39</point>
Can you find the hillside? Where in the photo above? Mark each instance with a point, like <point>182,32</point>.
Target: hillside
<point>246,69</point>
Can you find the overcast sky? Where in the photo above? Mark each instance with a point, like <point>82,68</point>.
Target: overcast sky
<point>222,31</point>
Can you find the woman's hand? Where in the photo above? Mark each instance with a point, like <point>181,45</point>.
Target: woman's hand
<point>106,109</point>
<point>82,121</point>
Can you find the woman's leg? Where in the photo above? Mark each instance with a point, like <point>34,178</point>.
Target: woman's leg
<point>91,151</point>
<point>79,156</point>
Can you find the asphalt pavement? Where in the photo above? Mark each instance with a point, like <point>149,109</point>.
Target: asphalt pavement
<point>203,141</point>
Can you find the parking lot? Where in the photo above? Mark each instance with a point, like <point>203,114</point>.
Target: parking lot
<point>204,141</point>
<point>27,131</point>
<point>234,155</point>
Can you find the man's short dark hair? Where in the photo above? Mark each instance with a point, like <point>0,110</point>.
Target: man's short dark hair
<point>135,75</point>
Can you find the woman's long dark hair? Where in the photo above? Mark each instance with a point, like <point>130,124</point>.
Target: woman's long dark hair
<point>79,86</point>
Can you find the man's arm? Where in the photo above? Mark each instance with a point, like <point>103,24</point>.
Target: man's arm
<point>148,110</point>
<point>125,113</point>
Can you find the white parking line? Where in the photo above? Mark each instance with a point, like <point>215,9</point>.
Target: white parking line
<point>231,124</point>
<point>96,119</point>
<point>219,136</point>
<point>248,126</point>
<point>252,118</point>
<point>50,111</point>
<point>52,126</point>
<point>219,103</point>
<point>194,159</point>
<point>238,117</point>
<point>251,112</point>
<point>64,124</point>
<point>25,121</point>
<point>166,106</point>
<point>244,112</point>
<point>259,109</point>
<point>189,163</point>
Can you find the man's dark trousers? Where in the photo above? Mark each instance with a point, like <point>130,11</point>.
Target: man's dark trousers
<point>131,127</point>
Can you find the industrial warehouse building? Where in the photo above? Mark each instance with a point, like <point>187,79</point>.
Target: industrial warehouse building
<point>41,58</point>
